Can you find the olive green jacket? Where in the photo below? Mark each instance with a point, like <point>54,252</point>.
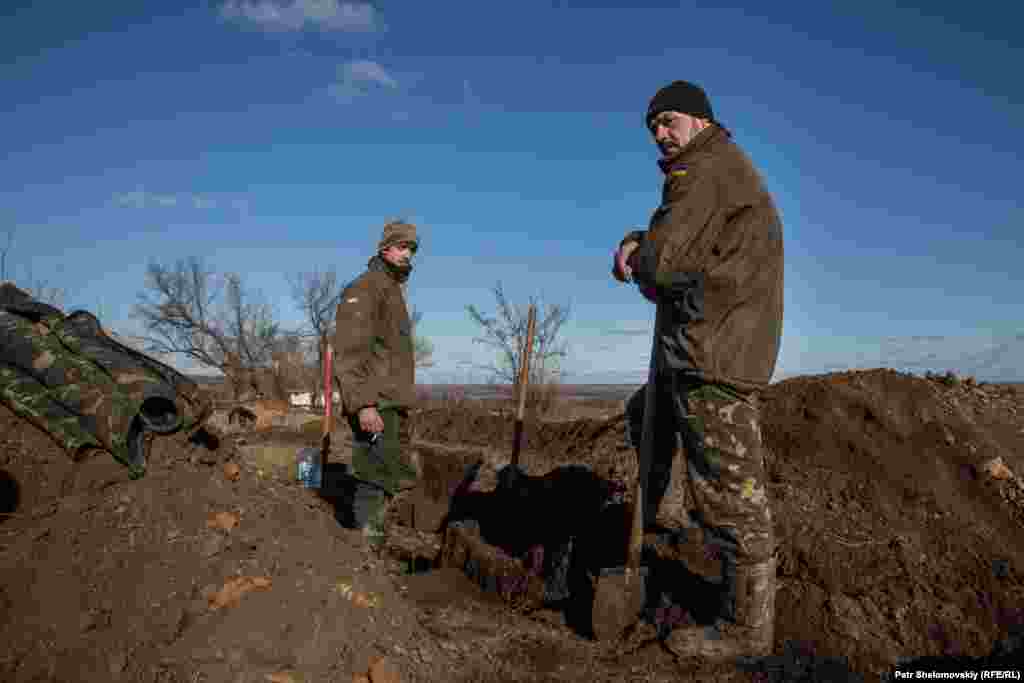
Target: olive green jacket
<point>373,346</point>
<point>713,253</point>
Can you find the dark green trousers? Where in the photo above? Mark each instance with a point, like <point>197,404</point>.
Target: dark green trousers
<point>378,458</point>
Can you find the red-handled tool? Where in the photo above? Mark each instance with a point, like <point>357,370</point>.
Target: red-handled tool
<point>328,426</point>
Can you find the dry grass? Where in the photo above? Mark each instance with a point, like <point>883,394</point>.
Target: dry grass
<point>313,426</point>
<point>273,459</point>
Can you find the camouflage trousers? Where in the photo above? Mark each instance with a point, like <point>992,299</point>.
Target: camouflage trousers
<point>721,473</point>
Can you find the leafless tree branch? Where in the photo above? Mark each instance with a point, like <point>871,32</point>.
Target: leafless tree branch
<point>316,293</point>
<point>506,331</point>
<point>183,312</point>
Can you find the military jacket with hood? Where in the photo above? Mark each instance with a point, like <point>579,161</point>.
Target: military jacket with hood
<point>374,360</point>
<point>713,253</point>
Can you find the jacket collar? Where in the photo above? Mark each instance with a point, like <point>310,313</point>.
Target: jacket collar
<point>707,138</point>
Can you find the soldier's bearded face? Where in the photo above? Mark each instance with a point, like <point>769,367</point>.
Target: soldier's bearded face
<point>672,130</point>
<point>399,254</point>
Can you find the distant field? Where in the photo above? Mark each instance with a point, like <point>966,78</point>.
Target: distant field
<point>571,392</point>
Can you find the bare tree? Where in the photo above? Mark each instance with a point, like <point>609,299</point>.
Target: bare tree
<point>316,293</point>
<point>506,333</point>
<point>290,368</point>
<point>184,312</point>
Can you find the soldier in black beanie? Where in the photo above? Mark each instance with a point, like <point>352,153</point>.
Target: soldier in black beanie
<point>712,261</point>
<point>681,96</point>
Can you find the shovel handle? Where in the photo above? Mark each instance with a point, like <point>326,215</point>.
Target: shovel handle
<point>328,422</point>
<point>636,534</point>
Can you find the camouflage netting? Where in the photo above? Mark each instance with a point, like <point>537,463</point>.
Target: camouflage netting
<point>87,391</point>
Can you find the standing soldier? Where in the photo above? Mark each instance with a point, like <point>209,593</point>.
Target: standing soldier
<point>375,369</point>
<point>712,261</point>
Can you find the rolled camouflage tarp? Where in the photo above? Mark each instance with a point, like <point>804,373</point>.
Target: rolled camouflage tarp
<point>65,375</point>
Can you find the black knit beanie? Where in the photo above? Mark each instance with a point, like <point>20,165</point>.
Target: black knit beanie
<point>683,97</point>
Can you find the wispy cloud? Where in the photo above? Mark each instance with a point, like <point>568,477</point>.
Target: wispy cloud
<point>360,78</point>
<point>140,199</point>
<point>143,199</point>
<point>369,72</point>
<point>297,15</point>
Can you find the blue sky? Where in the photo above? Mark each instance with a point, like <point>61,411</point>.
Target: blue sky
<point>271,137</point>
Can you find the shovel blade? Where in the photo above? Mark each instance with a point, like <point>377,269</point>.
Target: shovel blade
<point>618,601</point>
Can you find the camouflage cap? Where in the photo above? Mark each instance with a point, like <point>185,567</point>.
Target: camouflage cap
<point>397,232</point>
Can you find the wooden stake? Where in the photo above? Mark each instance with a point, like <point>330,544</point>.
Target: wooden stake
<point>524,385</point>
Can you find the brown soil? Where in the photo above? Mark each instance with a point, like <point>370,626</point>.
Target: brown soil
<point>894,540</point>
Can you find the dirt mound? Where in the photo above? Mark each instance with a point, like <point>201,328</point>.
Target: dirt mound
<point>108,579</point>
<point>893,538</point>
<point>897,504</point>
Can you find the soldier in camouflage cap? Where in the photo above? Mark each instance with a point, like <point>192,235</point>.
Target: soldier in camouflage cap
<point>87,391</point>
<point>375,371</point>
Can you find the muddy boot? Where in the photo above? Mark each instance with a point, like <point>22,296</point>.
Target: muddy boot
<point>366,510</point>
<point>747,625</point>
<point>376,529</point>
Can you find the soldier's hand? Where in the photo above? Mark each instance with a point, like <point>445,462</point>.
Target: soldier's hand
<point>621,269</point>
<point>370,420</point>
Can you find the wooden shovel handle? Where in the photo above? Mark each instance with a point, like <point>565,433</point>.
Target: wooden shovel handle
<point>636,535</point>
<point>328,422</point>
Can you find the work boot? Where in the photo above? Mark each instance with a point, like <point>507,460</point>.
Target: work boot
<point>365,508</point>
<point>746,627</point>
<point>375,530</point>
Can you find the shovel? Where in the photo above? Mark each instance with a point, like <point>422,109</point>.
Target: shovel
<point>328,425</point>
<point>621,591</point>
